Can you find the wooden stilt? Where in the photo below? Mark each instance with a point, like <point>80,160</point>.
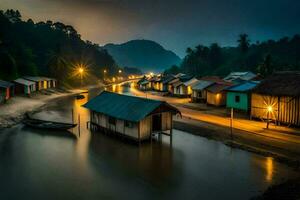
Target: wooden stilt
<point>79,124</point>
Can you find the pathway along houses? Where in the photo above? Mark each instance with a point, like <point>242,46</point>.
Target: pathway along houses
<point>133,117</point>
<point>278,98</point>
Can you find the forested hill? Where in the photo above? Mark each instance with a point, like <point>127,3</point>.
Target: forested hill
<point>261,57</point>
<point>143,54</point>
<point>47,49</point>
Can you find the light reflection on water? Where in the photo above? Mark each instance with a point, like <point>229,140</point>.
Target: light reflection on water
<point>37,164</point>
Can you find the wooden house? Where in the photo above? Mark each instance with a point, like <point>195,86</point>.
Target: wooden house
<point>199,93</point>
<point>156,83</point>
<point>180,88</point>
<point>239,96</point>
<point>40,82</point>
<point>133,117</point>
<point>164,85</point>
<point>216,93</point>
<point>174,81</point>
<point>6,91</point>
<point>23,86</point>
<point>144,84</point>
<point>278,98</point>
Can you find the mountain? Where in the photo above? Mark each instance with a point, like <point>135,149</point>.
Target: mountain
<point>146,55</point>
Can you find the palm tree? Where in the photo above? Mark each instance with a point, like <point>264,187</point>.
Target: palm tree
<point>244,42</point>
<point>189,51</point>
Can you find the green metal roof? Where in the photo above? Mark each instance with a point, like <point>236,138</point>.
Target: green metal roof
<point>124,107</point>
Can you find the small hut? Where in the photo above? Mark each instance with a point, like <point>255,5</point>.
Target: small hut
<point>180,88</point>
<point>278,98</point>
<point>216,93</point>
<point>23,86</point>
<point>40,82</point>
<point>239,96</point>
<point>6,91</point>
<point>133,117</point>
<point>164,85</point>
<point>199,93</point>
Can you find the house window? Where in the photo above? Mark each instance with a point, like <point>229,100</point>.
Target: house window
<point>128,124</point>
<point>237,99</point>
<point>112,121</point>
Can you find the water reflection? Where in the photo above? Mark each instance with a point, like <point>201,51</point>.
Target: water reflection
<point>269,169</point>
<point>153,162</point>
<point>34,165</point>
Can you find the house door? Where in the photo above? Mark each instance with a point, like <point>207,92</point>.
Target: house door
<point>156,122</point>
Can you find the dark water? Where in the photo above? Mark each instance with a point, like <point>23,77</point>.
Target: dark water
<point>37,164</point>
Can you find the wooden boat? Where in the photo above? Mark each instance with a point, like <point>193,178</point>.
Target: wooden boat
<point>43,124</point>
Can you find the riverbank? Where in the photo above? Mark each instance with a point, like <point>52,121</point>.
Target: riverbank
<point>289,189</point>
<point>13,111</point>
<point>269,147</point>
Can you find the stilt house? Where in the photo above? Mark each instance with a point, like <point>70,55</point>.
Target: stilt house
<point>133,117</point>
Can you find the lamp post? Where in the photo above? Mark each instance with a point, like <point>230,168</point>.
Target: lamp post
<point>269,110</point>
<point>81,71</point>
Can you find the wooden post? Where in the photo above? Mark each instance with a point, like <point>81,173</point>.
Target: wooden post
<point>231,123</point>
<point>171,131</point>
<point>268,121</point>
<point>72,115</point>
<point>79,124</point>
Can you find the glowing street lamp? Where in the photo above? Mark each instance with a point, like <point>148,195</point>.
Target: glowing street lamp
<point>81,72</point>
<point>120,71</point>
<point>269,110</point>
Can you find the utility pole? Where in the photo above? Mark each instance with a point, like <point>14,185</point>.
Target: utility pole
<point>231,123</point>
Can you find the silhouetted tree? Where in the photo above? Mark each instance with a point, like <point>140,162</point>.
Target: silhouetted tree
<point>244,42</point>
<point>265,68</point>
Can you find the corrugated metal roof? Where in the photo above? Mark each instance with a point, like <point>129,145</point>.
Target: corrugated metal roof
<point>34,78</point>
<point>167,79</point>
<point>201,85</point>
<point>285,83</point>
<point>144,82</point>
<point>244,87</point>
<point>24,82</point>
<point>191,82</point>
<point>218,87</point>
<point>124,107</point>
<point>240,75</point>
<point>5,84</point>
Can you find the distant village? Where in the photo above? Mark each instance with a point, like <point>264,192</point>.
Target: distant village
<point>25,86</point>
<point>276,98</point>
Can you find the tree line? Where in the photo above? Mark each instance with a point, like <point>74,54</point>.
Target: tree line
<point>47,49</point>
<point>260,57</point>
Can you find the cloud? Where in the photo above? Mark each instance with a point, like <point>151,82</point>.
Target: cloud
<point>176,24</point>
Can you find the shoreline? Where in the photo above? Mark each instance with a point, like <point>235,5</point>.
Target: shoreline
<point>211,131</point>
<point>191,126</point>
<point>16,108</point>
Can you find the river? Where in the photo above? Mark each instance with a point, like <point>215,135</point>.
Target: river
<point>36,164</point>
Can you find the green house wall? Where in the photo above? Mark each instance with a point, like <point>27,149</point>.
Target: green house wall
<point>243,104</point>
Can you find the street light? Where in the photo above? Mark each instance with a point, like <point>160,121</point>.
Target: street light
<point>269,110</point>
<point>120,71</point>
<point>81,71</point>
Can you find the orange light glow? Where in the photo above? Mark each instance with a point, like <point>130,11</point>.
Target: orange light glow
<point>270,108</point>
<point>269,169</point>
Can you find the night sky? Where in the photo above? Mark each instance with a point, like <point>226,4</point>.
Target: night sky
<point>176,24</point>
